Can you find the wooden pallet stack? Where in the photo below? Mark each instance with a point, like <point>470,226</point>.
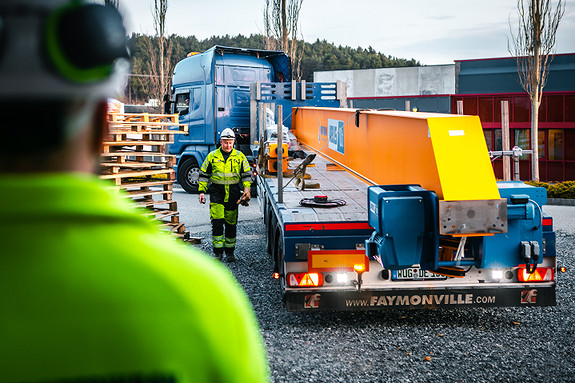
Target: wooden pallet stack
<point>135,158</point>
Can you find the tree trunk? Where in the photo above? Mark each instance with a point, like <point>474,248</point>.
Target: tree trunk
<point>533,45</point>
<point>535,100</point>
<point>162,75</point>
<point>285,36</point>
<point>535,140</point>
<point>281,27</point>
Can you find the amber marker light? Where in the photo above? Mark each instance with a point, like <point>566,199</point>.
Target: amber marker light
<point>359,269</point>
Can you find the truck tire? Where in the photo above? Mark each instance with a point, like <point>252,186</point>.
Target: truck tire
<point>270,224</point>
<point>188,175</point>
<point>269,244</point>
<point>279,263</point>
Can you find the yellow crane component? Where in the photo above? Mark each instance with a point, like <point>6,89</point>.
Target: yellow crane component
<point>441,152</point>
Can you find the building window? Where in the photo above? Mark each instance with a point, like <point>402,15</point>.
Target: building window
<point>541,142</point>
<point>486,109</point>
<point>522,138</point>
<point>470,106</point>
<point>570,108</point>
<point>497,108</point>
<point>498,139</point>
<point>555,108</point>
<point>543,109</point>
<point>521,109</point>
<point>555,144</point>
<point>570,143</point>
<point>488,139</point>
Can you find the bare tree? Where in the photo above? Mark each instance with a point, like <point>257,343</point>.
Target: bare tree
<point>164,47</point>
<point>533,47</point>
<point>152,74</point>
<point>281,24</point>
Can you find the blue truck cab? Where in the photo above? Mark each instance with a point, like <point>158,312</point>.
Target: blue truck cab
<point>210,92</point>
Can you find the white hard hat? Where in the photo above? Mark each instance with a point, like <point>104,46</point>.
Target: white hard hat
<point>61,49</point>
<point>227,133</point>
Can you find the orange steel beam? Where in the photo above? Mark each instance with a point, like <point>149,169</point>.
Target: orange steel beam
<point>441,152</point>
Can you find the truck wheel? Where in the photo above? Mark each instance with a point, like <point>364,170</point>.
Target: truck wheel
<point>188,175</point>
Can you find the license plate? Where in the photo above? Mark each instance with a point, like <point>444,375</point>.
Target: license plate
<point>414,274</point>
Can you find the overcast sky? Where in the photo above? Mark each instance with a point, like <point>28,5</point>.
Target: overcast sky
<point>431,31</point>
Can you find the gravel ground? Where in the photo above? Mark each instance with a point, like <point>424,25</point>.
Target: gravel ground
<point>455,345</point>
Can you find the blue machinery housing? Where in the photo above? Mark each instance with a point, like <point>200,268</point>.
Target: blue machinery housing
<point>405,219</point>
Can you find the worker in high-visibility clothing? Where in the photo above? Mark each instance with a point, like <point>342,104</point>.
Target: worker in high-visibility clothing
<point>230,176</point>
<point>91,289</point>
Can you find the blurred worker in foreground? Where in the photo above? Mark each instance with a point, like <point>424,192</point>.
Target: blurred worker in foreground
<point>91,290</point>
<point>230,176</point>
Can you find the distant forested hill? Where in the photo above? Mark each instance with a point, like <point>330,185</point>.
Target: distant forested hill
<point>317,56</point>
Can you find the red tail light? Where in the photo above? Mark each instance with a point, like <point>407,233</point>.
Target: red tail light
<point>305,279</point>
<point>541,274</point>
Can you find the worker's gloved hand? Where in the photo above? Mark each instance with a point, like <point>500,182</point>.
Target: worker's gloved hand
<point>202,198</point>
<point>247,194</point>
<point>245,198</point>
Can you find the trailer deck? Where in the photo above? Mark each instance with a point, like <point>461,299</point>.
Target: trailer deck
<point>337,184</point>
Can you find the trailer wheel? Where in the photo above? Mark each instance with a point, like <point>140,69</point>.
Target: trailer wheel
<point>254,188</point>
<point>279,262</point>
<point>264,205</point>
<point>269,230</point>
<point>189,175</point>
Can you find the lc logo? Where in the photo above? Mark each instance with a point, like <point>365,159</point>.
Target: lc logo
<point>529,296</point>
<point>311,301</point>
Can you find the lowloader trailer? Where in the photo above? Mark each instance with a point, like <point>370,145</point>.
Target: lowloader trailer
<point>402,210</point>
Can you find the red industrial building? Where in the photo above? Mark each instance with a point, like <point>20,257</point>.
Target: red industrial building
<point>556,129</point>
<point>482,84</point>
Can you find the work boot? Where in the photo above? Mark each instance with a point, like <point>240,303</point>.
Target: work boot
<point>218,254</point>
<point>230,256</point>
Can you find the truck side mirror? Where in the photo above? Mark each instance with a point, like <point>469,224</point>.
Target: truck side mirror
<point>167,104</point>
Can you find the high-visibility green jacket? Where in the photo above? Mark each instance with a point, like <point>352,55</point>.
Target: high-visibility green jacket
<point>91,291</point>
<point>226,176</point>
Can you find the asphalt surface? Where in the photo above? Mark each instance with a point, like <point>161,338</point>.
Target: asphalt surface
<point>455,345</point>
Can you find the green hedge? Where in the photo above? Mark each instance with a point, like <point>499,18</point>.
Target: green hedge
<point>557,190</point>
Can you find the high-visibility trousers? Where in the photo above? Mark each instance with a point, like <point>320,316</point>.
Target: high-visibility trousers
<point>222,216</point>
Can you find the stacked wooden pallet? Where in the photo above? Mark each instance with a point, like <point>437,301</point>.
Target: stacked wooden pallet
<point>135,158</point>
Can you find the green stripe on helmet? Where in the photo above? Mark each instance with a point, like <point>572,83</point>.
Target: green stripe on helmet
<point>59,60</point>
